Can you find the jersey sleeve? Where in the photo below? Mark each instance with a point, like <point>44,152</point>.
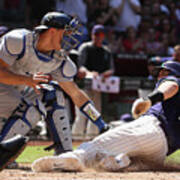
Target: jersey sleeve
<point>82,51</point>
<point>111,59</point>
<point>169,78</point>
<point>12,46</point>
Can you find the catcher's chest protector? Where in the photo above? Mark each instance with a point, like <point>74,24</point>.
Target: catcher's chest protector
<point>33,61</point>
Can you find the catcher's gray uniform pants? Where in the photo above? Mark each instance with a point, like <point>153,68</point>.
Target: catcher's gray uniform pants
<point>9,100</point>
<point>58,115</point>
<point>23,115</point>
<point>19,115</point>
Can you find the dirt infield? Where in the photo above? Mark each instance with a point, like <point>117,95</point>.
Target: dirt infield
<point>24,173</point>
<point>47,143</point>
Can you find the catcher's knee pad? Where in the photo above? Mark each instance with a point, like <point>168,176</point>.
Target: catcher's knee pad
<point>57,119</point>
<point>21,121</point>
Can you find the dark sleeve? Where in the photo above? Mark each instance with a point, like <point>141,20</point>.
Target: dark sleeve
<point>83,51</point>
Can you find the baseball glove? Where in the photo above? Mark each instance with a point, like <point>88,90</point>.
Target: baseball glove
<point>140,106</point>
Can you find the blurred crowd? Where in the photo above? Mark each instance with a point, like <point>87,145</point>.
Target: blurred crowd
<point>150,28</point>
<point>132,26</point>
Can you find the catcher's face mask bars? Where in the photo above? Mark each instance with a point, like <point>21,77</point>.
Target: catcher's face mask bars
<point>71,35</point>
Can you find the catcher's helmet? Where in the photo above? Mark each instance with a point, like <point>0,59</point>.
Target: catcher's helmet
<point>172,66</point>
<point>61,20</point>
<point>54,19</point>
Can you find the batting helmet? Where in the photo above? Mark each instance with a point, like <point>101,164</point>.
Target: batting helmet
<point>172,66</point>
<point>60,20</point>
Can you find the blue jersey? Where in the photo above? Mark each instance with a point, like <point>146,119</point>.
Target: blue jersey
<point>168,112</point>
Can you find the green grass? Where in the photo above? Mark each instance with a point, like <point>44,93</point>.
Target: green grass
<point>175,157</point>
<point>32,153</point>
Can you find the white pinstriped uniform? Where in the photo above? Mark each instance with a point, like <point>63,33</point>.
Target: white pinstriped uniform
<point>141,138</point>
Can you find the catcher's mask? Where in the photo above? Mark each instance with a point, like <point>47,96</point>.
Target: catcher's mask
<point>72,35</point>
<point>60,20</point>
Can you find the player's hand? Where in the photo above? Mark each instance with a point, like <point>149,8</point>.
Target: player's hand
<point>140,106</point>
<point>38,79</point>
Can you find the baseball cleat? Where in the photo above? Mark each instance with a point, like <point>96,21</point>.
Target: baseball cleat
<point>44,164</point>
<point>10,149</point>
<point>65,162</point>
<point>69,162</point>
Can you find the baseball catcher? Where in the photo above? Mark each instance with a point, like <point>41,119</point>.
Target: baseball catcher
<point>39,60</point>
<point>152,136</point>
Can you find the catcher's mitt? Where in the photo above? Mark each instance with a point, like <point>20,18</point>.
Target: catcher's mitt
<point>140,106</point>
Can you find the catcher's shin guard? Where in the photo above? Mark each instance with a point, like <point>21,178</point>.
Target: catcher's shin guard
<point>11,149</point>
<point>57,119</point>
<point>22,120</point>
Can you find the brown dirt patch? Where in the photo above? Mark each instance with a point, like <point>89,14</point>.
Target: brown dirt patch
<point>26,174</point>
<point>47,143</point>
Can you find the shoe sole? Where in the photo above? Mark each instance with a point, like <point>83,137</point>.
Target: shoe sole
<point>13,157</point>
<point>68,164</point>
